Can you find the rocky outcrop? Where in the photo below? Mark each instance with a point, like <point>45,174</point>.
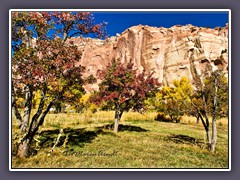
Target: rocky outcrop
<point>171,52</point>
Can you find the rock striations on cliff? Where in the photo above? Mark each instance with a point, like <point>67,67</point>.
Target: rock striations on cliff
<point>171,52</point>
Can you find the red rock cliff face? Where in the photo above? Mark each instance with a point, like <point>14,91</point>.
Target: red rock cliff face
<point>172,52</point>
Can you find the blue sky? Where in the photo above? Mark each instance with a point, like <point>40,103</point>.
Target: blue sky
<point>120,21</point>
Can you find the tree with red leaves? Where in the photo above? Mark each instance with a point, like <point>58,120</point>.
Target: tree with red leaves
<point>124,88</point>
<point>43,62</point>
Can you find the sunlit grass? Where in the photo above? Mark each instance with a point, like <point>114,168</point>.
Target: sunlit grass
<point>193,120</point>
<point>141,142</point>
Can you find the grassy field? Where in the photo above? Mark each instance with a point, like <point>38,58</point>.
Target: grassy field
<point>87,141</point>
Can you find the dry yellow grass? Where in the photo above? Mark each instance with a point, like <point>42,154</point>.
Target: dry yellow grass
<point>193,120</point>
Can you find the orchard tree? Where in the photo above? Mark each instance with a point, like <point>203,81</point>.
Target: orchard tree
<point>174,101</point>
<point>211,100</point>
<point>43,62</point>
<point>84,104</point>
<point>124,88</point>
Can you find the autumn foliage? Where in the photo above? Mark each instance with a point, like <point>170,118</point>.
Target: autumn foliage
<point>210,102</point>
<point>124,88</point>
<point>173,101</point>
<point>43,62</point>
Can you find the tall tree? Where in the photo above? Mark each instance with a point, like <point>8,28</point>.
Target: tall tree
<point>124,88</point>
<point>43,62</point>
<point>211,100</point>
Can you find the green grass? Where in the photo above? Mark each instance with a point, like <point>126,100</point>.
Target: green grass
<point>140,143</point>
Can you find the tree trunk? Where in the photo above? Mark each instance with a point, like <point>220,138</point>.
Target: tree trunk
<point>64,37</point>
<point>15,108</point>
<point>24,147</point>
<point>118,115</point>
<point>41,120</point>
<point>206,127</point>
<point>16,112</point>
<point>207,121</point>
<point>214,136</point>
<point>197,122</point>
<point>58,107</point>
<point>33,123</point>
<point>208,138</point>
<point>214,126</point>
<point>27,109</point>
<point>116,123</point>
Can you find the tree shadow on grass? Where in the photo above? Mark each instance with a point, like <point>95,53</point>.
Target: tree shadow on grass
<point>74,137</point>
<point>184,139</point>
<point>122,128</point>
<point>71,138</point>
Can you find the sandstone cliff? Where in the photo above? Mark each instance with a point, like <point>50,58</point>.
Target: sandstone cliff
<point>171,52</point>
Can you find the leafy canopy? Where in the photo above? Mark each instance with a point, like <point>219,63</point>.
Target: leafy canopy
<point>123,87</point>
<point>40,58</point>
<point>203,98</point>
<point>173,101</point>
